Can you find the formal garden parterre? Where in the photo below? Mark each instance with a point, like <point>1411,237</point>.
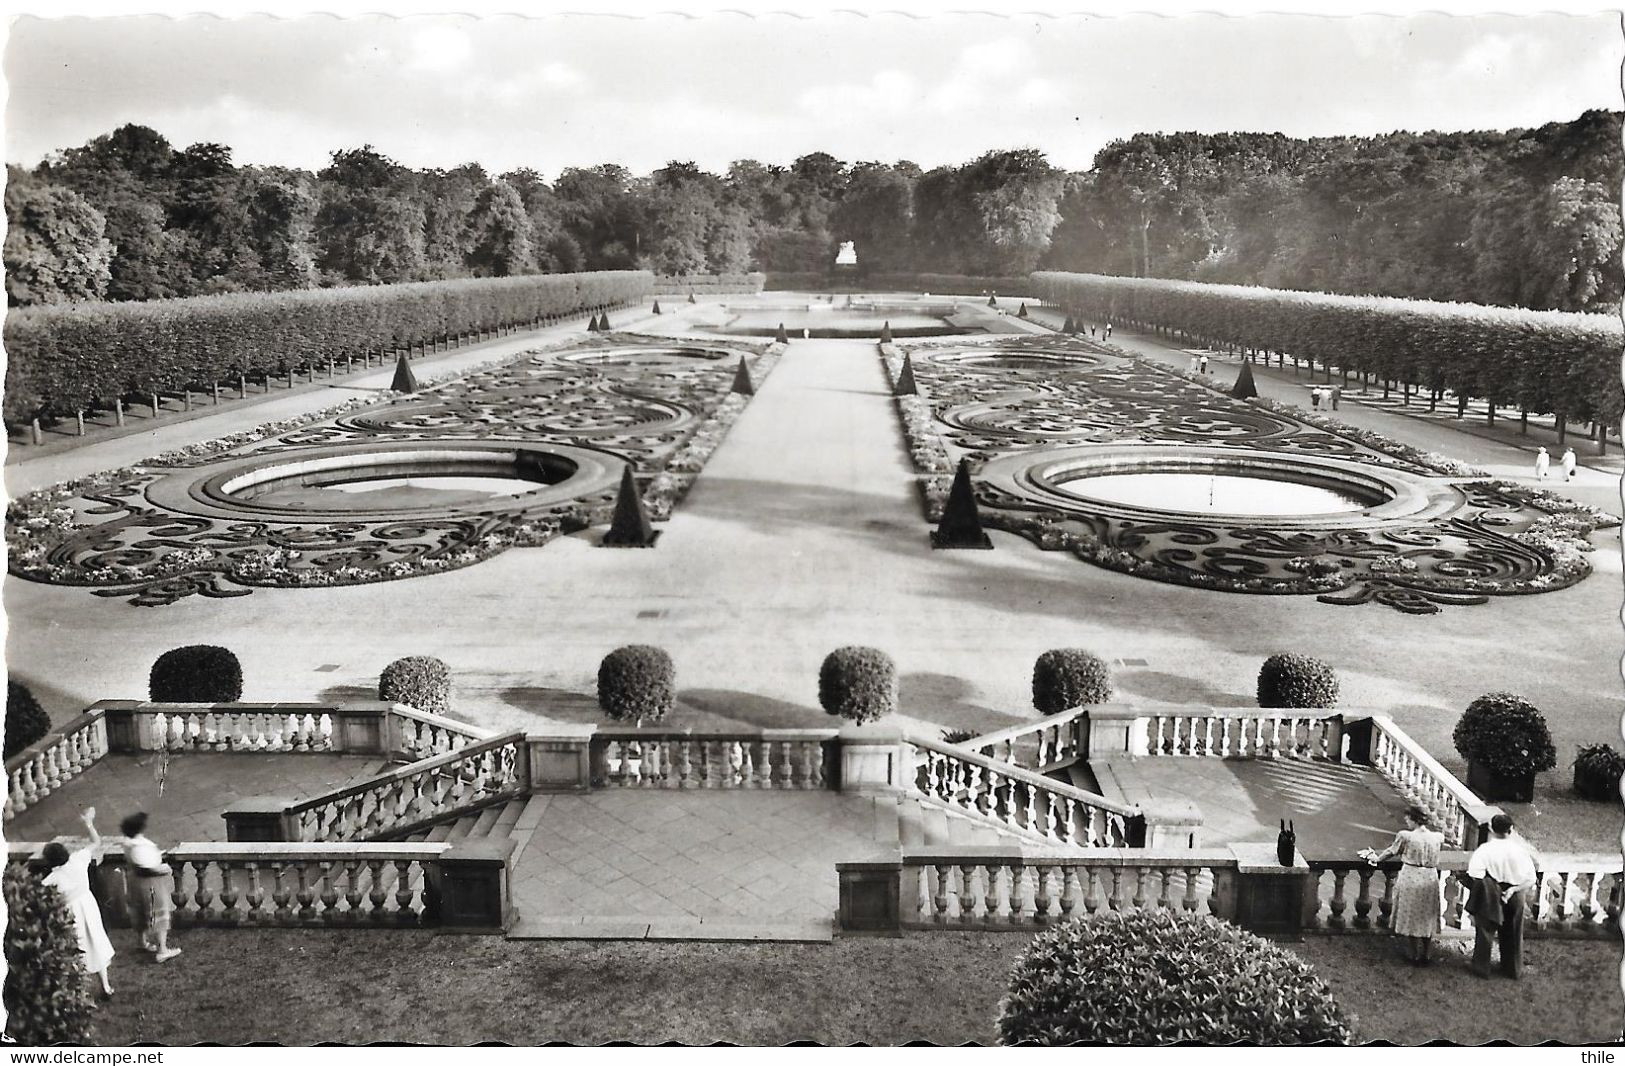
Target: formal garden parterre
<point>259,508</point>
<point>1039,417</point>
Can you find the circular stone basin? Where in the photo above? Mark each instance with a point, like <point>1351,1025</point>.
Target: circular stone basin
<point>400,481</point>
<point>1217,493</point>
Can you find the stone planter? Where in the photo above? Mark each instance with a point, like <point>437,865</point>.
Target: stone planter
<point>1491,786</point>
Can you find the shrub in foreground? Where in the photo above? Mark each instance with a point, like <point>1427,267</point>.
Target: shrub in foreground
<point>196,673</point>
<point>420,681</point>
<point>1296,681</point>
<point>1064,678</point>
<point>45,994</point>
<point>1162,977</point>
<point>858,684</point>
<point>26,720</point>
<point>636,683</point>
<point>1506,735</point>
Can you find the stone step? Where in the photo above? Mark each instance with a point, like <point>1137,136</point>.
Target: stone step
<point>485,821</point>
<point>460,828</point>
<point>509,816</point>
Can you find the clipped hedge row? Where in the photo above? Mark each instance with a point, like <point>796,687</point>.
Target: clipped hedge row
<point>936,284</point>
<point>1547,362</point>
<point>682,285</point>
<point>83,356</point>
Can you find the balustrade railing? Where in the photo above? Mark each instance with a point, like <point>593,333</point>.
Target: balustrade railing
<point>1051,743</point>
<point>1453,808</point>
<point>417,734</point>
<point>298,884</point>
<point>233,727</point>
<point>1038,808</point>
<point>1244,734</point>
<point>979,888</point>
<point>768,759</point>
<point>53,760</point>
<point>399,802</point>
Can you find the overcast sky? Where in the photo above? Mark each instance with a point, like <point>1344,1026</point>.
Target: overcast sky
<point>579,90</point>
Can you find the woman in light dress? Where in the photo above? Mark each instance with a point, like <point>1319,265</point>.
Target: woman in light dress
<point>1416,894</point>
<point>70,875</point>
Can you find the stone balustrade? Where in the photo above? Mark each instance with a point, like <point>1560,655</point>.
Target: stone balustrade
<point>400,802</point>
<point>414,734</point>
<point>1050,743</point>
<point>763,759</point>
<point>1215,732</point>
<point>1454,808</point>
<point>53,760</point>
<point>1038,808</point>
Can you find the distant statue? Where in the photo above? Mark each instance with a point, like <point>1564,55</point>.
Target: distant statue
<point>848,255</point>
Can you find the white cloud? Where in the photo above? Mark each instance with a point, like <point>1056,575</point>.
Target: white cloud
<point>439,48</point>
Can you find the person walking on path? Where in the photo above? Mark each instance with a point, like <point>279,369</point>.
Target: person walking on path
<point>1314,397</point>
<point>1416,894</point>
<point>1501,872</point>
<point>1108,331</point>
<point>70,875</point>
<point>1202,368</point>
<point>1569,463</point>
<point>1337,395</point>
<point>1543,462</point>
<point>150,883</point>
<point>1195,363</point>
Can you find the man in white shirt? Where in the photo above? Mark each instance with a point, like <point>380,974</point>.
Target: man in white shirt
<point>1508,870</point>
<point>148,882</point>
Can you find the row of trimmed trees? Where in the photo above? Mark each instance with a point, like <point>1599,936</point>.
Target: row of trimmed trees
<point>1543,362</point>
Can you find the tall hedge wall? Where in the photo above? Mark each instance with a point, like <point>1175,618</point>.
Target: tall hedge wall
<point>1547,362</point>
<point>937,284</point>
<point>683,284</point>
<point>79,356</point>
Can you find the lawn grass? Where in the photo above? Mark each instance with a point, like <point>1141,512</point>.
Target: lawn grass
<point>308,986</point>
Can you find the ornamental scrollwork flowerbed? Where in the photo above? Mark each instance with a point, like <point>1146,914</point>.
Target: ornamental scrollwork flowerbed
<point>188,522</point>
<point>1020,408</point>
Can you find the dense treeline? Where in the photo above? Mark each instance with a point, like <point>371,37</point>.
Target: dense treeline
<point>86,356</point>
<point>1545,362</point>
<point>1523,218</point>
<point>1526,218</point>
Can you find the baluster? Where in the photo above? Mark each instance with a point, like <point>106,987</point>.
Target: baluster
<point>967,893</point>
<point>1362,900</point>
<point>1069,891</point>
<point>306,894</point>
<point>1164,901</point>
<point>202,895</point>
<point>1140,875</point>
<point>1588,900</point>
<point>939,901</point>
<point>1117,899</point>
<point>1193,876</point>
<point>352,890</point>
<point>376,894</point>
<point>1385,905</point>
<point>281,894</point>
<point>685,765</point>
<point>744,775</point>
<point>254,897</point>
<point>1615,898</point>
<point>1340,903</point>
<point>1091,888</point>
<point>1018,892</point>
<point>329,894</point>
<point>404,913</point>
<point>229,914</point>
<point>1041,895</point>
<point>1054,827</point>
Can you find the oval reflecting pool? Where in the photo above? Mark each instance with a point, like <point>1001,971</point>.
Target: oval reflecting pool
<point>1216,493</point>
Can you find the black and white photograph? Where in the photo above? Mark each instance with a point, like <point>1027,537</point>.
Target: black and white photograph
<point>808,526</point>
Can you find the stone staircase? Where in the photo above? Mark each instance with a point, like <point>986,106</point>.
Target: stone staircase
<point>497,820</point>
<point>923,822</point>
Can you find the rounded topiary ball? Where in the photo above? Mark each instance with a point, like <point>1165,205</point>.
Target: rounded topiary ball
<point>420,681</point>
<point>1597,770</point>
<point>858,684</point>
<point>1506,734</point>
<point>1162,977</point>
<point>1064,678</point>
<point>197,673</point>
<point>46,997</point>
<point>1296,681</point>
<point>636,683</point>
<point>26,720</point>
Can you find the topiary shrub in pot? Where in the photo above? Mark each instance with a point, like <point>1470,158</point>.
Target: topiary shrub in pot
<point>1296,681</point>
<point>197,673</point>
<point>858,684</point>
<point>26,720</point>
<point>420,681</point>
<point>1164,977</point>
<point>1506,743</point>
<point>1064,678</point>
<point>637,684</point>
<point>46,999</point>
<point>1597,770</point>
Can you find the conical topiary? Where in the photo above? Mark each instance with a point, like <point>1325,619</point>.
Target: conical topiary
<point>691,299</point>
<point>1244,388</point>
<point>631,527</point>
<point>885,332</point>
<point>592,323</point>
<point>1067,326</point>
<point>783,335</point>
<point>1022,311</point>
<point>905,379</point>
<point>992,301</point>
<point>742,383</point>
<point>961,525</point>
<point>603,322</point>
<point>656,308</point>
<point>405,380</point>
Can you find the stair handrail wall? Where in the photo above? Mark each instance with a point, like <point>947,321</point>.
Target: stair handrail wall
<point>417,794</point>
<point>1031,804</point>
<point>53,760</point>
<point>1454,809</point>
<point>1053,742</point>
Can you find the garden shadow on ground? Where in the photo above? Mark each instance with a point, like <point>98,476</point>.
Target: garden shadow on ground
<point>943,700</point>
<point>1172,688</point>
